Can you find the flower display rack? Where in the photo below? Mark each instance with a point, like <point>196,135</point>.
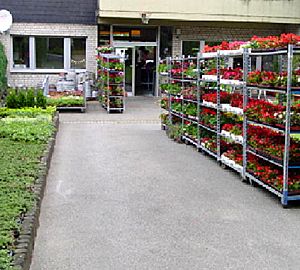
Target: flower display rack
<point>111,76</point>
<point>67,100</point>
<point>164,68</point>
<point>211,104</point>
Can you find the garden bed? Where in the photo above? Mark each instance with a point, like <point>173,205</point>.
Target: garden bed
<point>27,138</point>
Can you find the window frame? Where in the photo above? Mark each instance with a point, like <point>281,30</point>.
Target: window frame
<point>32,56</point>
<point>12,53</point>
<point>201,44</point>
<point>71,53</point>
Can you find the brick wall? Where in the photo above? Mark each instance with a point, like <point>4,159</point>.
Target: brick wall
<point>293,29</point>
<point>208,33</point>
<point>63,30</point>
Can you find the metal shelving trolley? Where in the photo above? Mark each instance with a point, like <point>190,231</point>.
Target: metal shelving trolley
<point>221,107</point>
<point>247,120</point>
<point>275,119</point>
<point>164,68</point>
<point>69,97</point>
<point>111,72</point>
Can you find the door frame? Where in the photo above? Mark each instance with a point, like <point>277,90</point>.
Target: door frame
<point>133,46</point>
<point>123,46</point>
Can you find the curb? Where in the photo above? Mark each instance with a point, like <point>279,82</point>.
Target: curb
<point>25,242</point>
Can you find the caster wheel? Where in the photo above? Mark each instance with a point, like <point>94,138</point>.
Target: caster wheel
<point>253,184</point>
<point>223,166</point>
<point>244,180</point>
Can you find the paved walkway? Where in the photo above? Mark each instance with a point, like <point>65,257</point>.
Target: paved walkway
<point>121,195</point>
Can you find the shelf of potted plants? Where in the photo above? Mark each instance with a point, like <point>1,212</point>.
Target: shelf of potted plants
<point>67,100</point>
<point>270,126</point>
<point>164,89</point>
<point>225,102</point>
<point>180,91</point>
<point>111,74</point>
<point>220,116</point>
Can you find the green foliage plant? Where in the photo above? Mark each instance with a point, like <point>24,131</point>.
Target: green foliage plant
<point>30,98</point>
<point>3,67</point>
<point>12,99</point>
<point>23,137</point>
<point>41,100</point>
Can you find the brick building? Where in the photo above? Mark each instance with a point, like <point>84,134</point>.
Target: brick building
<point>49,37</point>
<point>176,27</point>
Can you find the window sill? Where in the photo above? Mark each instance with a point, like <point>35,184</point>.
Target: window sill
<point>45,71</point>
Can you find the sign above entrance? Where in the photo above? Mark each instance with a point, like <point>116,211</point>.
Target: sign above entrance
<point>134,33</point>
<point>126,44</point>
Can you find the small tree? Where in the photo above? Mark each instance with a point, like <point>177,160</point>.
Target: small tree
<point>3,66</point>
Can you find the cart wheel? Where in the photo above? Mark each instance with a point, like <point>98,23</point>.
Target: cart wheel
<point>253,184</point>
<point>244,180</point>
<point>285,206</point>
<point>223,166</point>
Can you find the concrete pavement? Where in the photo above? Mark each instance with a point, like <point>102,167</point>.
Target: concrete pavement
<point>121,195</point>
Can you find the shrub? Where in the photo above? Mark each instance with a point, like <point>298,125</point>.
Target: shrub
<point>17,99</point>
<point>21,99</point>
<point>41,100</point>
<point>12,99</point>
<point>30,98</point>
<point>3,66</point>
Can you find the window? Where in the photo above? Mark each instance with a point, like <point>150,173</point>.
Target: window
<point>190,48</point>
<point>43,53</point>
<point>78,49</point>
<point>165,41</point>
<point>21,52</point>
<point>49,52</point>
<point>104,34</point>
<point>272,63</point>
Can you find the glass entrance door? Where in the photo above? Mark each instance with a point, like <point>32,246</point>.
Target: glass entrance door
<point>140,68</point>
<point>129,55</point>
<point>145,70</point>
<point>140,45</point>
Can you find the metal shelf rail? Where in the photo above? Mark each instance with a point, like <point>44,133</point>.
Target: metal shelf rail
<point>109,100</point>
<point>181,117</point>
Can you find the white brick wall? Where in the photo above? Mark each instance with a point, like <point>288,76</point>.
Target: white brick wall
<point>63,30</point>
